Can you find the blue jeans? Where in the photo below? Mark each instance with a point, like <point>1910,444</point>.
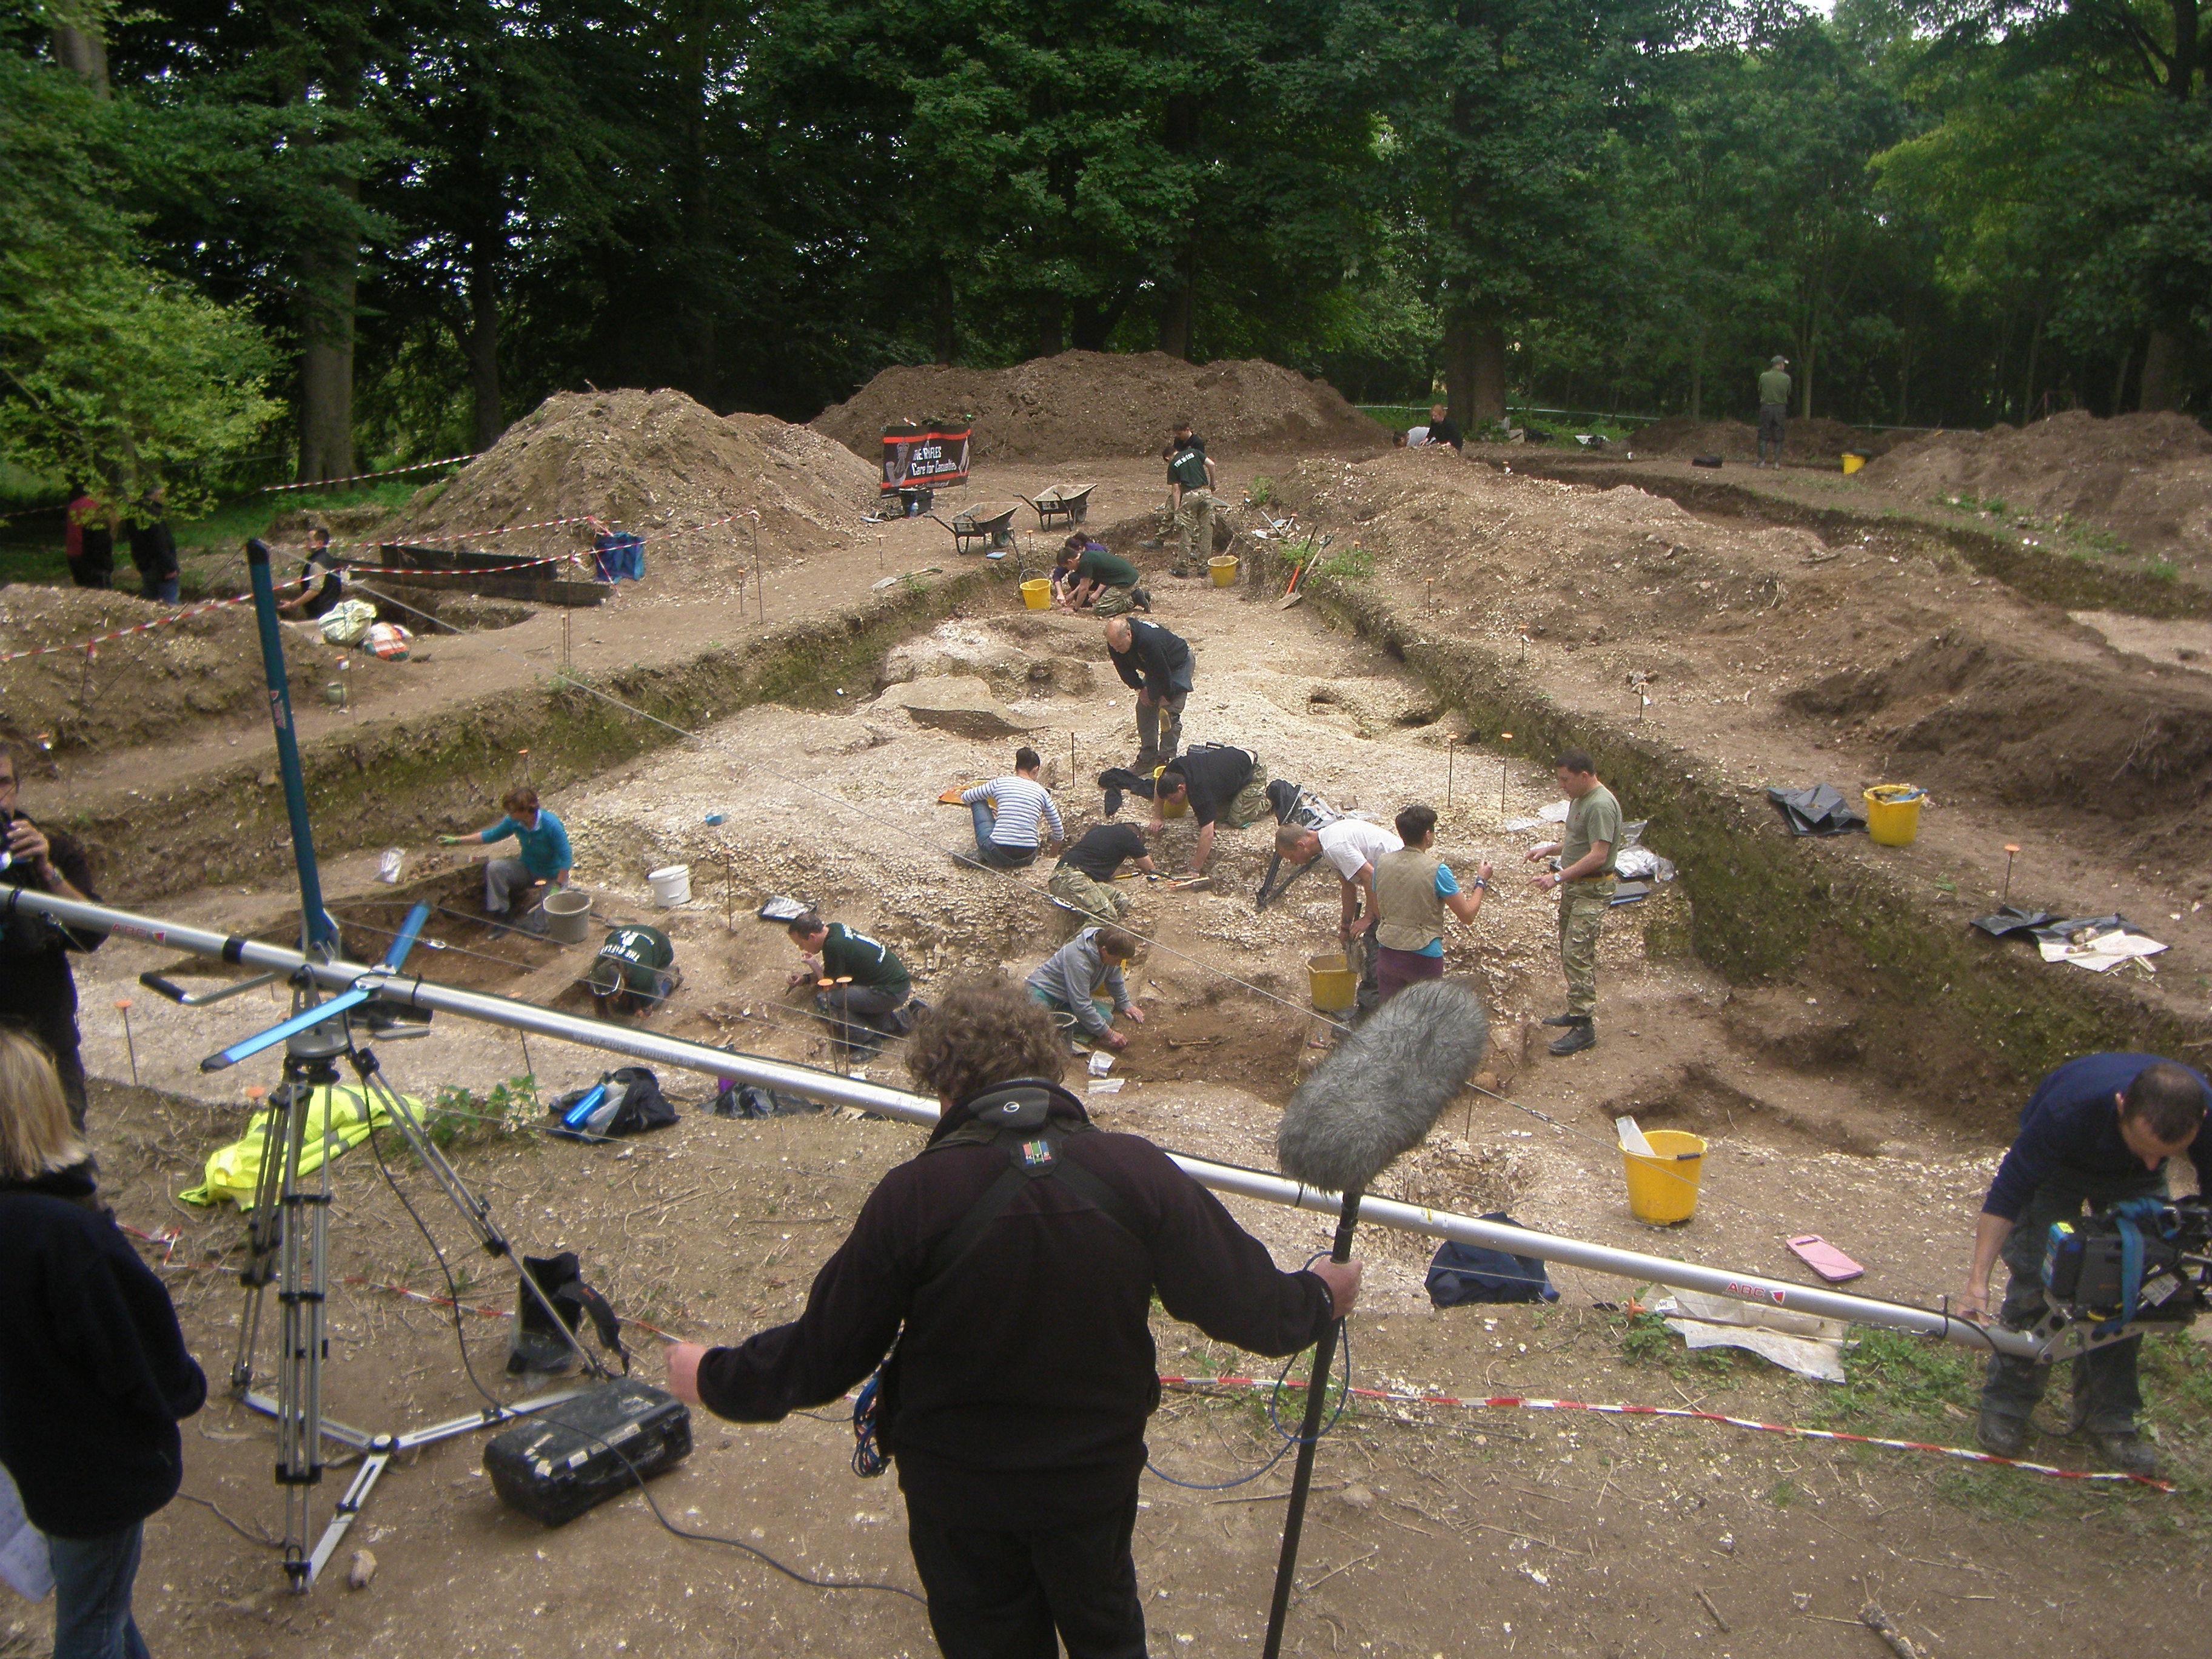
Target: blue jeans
<point>162,589</point>
<point>92,1596</point>
<point>998,857</point>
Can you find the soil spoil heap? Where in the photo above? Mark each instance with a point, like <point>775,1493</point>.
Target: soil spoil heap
<point>1816,440</point>
<point>144,687</point>
<point>2147,478</point>
<point>1096,403</point>
<point>650,463</point>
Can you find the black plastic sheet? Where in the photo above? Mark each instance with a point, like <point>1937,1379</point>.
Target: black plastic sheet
<point>1818,811</point>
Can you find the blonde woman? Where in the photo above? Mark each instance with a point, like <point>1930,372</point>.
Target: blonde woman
<point>94,1372</point>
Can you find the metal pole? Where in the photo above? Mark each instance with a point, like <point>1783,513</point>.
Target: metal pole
<point>401,990</point>
<point>1294,1519</point>
<point>318,930</point>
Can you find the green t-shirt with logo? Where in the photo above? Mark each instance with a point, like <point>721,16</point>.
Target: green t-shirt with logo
<point>1188,468</point>
<point>1596,818</point>
<point>1107,569</point>
<point>1774,386</point>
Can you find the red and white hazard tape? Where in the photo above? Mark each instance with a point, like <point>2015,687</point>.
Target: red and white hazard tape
<point>362,477</point>
<point>98,640</point>
<point>471,570</point>
<point>296,550</point>
<point>1964,1453</point>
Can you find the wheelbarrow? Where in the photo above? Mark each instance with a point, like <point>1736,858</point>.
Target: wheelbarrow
<point>989,529</point>
<point>1062,504</point>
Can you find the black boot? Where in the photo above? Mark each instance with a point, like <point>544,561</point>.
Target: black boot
<point>1560,1019</point>
<point>2005,1437</point>
<point>1582,1035</point>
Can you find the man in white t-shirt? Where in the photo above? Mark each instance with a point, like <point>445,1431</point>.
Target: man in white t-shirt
<point>1353,847</point>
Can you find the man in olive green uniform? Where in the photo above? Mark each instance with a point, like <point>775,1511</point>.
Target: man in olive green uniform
<point>1774,408</point>
<point>1192,502</point>
<point>1584,881</point>
<point>1087,576</point>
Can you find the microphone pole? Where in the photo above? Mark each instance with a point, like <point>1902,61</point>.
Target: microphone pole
<point>1294,1520</point>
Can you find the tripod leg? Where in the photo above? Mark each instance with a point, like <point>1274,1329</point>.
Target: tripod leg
<point>301,1291</point>
<point>263,1230</point>
<point>474,1211</point>
<point>1287,1566</point>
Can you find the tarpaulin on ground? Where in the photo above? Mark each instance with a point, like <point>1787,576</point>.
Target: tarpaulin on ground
<point>1818,811</point>
<point>926,457</point>
<point>339,1119</point>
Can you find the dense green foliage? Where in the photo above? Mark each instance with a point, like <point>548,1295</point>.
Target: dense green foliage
<point>408,222</point>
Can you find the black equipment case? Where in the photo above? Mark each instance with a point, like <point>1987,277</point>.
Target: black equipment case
<point>554,1465</point>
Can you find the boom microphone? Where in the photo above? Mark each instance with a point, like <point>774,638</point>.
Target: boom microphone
<point>1364,1107</point>
<point>1376,1097</point>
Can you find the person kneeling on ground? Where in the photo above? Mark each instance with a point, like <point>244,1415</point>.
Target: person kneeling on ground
<point>1086,574</point>
<point>95,1375</point>
<point>634,971</point>
<point>544,841</point>
<point>1008,813</point>
<point>2097,1130</point>
<point>314,598</point>
<point>869,986</point>
<point>1083,877</point>
<point>1414,888</point>
<point>1071,980</point>
<point>1013,1262</point>
<point>1353,848</point>
<point>1216,782</point>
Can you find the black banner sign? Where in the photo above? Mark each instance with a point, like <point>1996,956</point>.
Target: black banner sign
<point>925,458</point>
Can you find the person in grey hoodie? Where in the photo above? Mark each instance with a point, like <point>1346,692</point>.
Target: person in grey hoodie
<point>1086,968</point>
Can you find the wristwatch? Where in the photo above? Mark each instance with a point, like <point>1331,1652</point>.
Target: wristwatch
<point>1480,885</point>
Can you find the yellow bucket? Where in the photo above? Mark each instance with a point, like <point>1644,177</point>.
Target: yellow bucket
<point>1335,987</point>
<point>1852,462</point>
<point>1174,809</point>
<point>1036,594</point>
<point>1893,813</point>
<point>1223,569</point>
<point>1664,1189</point>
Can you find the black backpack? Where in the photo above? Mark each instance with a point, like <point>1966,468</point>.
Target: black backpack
<point>628,1102</point>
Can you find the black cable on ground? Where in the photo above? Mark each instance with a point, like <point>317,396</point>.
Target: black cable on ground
<point>460,1338</point>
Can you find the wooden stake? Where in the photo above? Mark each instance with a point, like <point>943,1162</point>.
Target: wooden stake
<point>1504,773</point>
<point>123,1007</point>
<point>2012,852</point>
<point>1451,756</point>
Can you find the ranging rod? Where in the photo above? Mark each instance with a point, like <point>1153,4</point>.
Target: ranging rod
<point>407,991</point>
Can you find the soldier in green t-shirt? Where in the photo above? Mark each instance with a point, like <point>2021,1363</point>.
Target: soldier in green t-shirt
<point>1584,881</point>
<point>1192,503</point>
<point>1086,575</point>
<point>634,971</point>
<point>1773,408</point>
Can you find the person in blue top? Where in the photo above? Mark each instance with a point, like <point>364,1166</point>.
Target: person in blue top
<point>545,859</point>
<point>1413,889</point>
<point>2097,1130</point>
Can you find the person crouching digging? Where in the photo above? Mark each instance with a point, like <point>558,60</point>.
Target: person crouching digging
<point>1012,1262</point>
<point>1070,983</point>
<point>634,971</point>
<point>1083,877</point>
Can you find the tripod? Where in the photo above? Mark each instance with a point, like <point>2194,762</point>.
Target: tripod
<point>287,1244</point>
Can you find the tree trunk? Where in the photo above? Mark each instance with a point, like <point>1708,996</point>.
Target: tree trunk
<point>1474,372</point>
<point>84,54</point>
<point>1698,374</point>
<point>945,339</point>
<point>1051,318</point>
<point>329,279</point>
<point>482,346</point>
<point>1092,326</point>
<point>2034,351</point>
<point>1179,309</point>
<point>2160,387</point>
<point>2120,379</point>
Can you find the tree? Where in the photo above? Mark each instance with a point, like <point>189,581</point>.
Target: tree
<point>109,369</point>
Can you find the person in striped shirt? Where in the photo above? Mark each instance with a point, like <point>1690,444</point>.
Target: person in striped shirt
<point>1010,812</point>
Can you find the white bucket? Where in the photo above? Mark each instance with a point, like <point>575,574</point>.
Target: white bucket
<point>670,884</point>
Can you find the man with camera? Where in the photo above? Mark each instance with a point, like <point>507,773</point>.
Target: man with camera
<point>38,992</point>
<point>1013,1263</point>
<point>2097,1130</point>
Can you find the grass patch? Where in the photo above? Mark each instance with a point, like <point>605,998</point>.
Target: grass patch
<point>1645,1340</point>
<point>459,1117</point>
<point>1351,564</point>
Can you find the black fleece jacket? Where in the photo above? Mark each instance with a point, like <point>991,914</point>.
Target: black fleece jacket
<point>93,1373</point>
<point>1024,1373</point>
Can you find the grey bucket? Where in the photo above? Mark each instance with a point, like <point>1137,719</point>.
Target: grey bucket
<point>568,914</point>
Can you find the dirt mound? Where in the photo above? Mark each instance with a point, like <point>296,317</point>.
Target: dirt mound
<point>650,462</point>
<point>139,689</point>
<point>1817,440</point>
<point>2145,477</point>
<point>1096,403</point>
